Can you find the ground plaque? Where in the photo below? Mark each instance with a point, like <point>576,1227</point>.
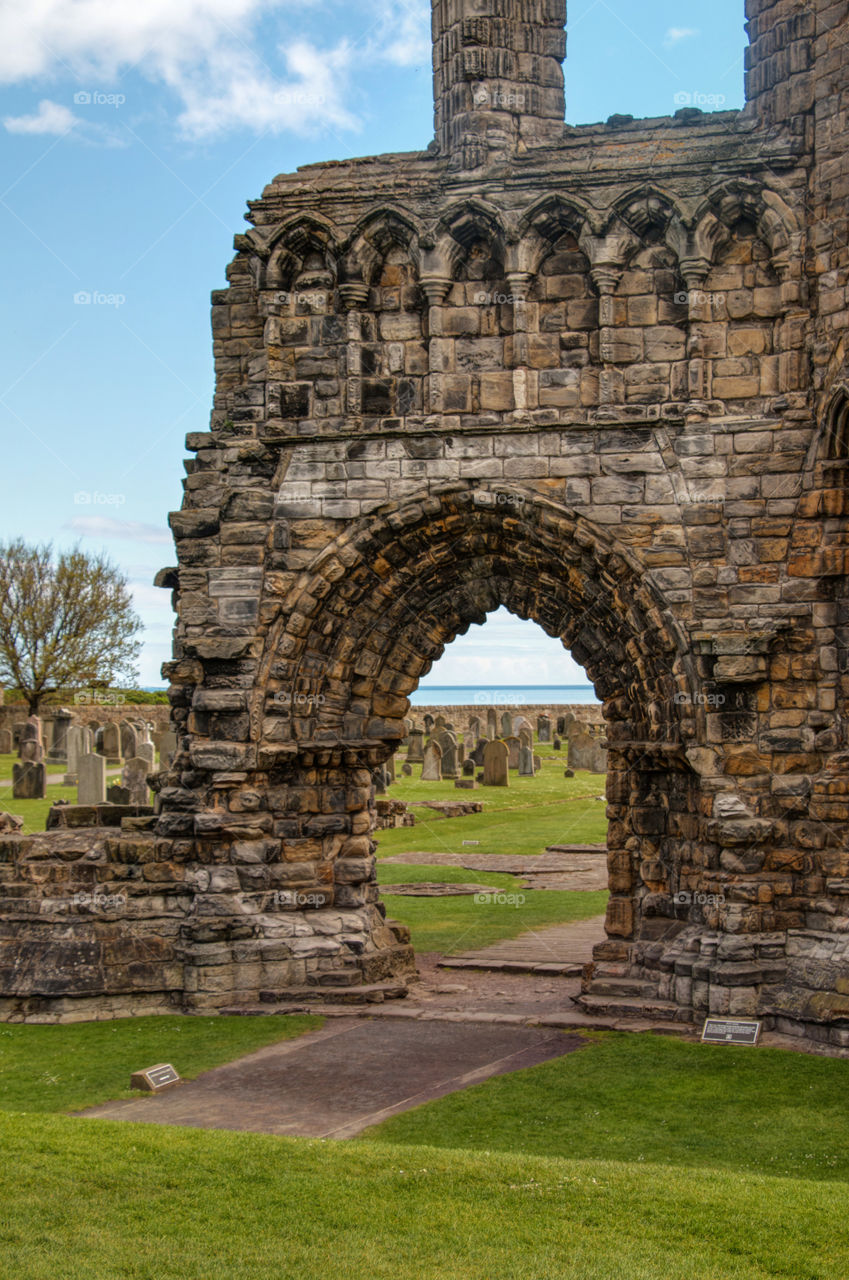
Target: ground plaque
<point>155,1079</point>
<point>730,1031</point>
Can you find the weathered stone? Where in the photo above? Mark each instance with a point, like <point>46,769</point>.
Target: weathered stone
<point>29,780</point>
<point>91,775</point>
<point>496,765</point>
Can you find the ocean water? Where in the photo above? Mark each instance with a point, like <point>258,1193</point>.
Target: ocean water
<point>520,695</point>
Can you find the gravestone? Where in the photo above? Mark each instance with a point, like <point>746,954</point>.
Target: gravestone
<point>6,741</point>
<point>526,738</point>
<point>544,728</point>
<point>146,751</point>
<point>513,746</point>
<point>432,763</point>
<point>62,721</point>
<point>469,768</point>
<point>78,743</point>
<point>448,746</point>
<point>378,777</point>
<point>32,747</point>
<point>407,770</point>
<point>439,724</point>
<point>491,724</point>
<point>461,752</point>
<point>587,752</point>
<point>129,740</point>
<point>17,733</point>
<point>134,779</point>
<point>537,764</point>
<point>91,774</point>
<point>29,780</point>
<point>110,743</point>
<point>415,748</point>
<point>495,764</point>
<point>167,747</point>
<point>390,770</point>
<point>475,727</point>
<point>477,753</point>
<point>506,724</point>
<point>557,744</point>
<point>428,723</point>
<point>526,762</point>
<point>116,794</point>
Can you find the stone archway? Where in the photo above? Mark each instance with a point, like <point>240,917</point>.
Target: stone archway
<point>279,771</point>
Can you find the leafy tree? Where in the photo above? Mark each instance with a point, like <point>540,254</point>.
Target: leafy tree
<point>64,622</point>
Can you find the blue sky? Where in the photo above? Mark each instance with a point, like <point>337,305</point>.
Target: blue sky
<point>132,137</point>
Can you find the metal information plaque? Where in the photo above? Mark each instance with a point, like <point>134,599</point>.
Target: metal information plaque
<point>153,1079</point>
<point>730,1031</point>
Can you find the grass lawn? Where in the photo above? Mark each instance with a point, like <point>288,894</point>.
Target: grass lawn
<point>523,818</point>
<point>460,924</point>
<point>67,1068</point>
<point>98,1200</point>
<point>34,812</point>
<point>647,1098</point>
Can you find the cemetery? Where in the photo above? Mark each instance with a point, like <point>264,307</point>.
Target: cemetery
<point>299,978</point>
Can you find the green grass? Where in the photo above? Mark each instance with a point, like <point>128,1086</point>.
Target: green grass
<point>647,1098</point>
<point>34,812</point>
<point>97,1200</point>
<point>460,924</point>
<point>521,819</point>
<point>68,1068</point>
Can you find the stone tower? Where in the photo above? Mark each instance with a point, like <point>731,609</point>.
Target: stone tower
<point>596,374</point>
<point>497,75</point>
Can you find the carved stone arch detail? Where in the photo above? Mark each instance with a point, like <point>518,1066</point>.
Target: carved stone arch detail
<point>381,230</point>
<point>461,227</point>
<point>293,242</point>
<point>775,222</point>
<point>541,226</point>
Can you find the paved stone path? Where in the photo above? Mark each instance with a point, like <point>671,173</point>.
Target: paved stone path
<point>582,867</point>
<point>561,950</point>
<point>353,1073</point>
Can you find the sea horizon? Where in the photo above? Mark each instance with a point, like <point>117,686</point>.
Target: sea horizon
<point>508,695</point>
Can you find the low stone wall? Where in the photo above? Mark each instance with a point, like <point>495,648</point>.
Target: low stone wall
<point>157,714</point>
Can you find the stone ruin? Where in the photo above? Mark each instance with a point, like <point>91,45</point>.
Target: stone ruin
<point>596,374</point>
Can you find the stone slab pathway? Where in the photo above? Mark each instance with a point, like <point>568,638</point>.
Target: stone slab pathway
<point>561,950</point>
<point>335,1082</point>
<point>582,867</point>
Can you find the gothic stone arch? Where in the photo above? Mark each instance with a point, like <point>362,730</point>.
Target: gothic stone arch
<point>593,373</point>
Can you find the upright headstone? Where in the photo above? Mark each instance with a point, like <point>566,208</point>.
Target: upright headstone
<point>506,724</point>
<point>495,764</point>
<point>544,728</point>
<point>477,754</point>
<point>134,778</point>
<point>557,744</point>
<point>62,721</point>
<point>448,747</point>
<point>439,724</point>
<point>520,723</point>
<point>91,772</point>
<point>526,738</point>
<point>390,770</point>
<point>428,723</point>
<point>6,741</point>
<point>526,762</point>
<point>475,727</point>
<point>469,768</point>
<point>31,748</point>
<point>167,747</point>
<point>415,748</point>
<point>407,770</point>
<point>129,739</point>
<point>432,765</point>
<point>145,751</point>
<point>513,745</point>
<point>491,724</point>
<point>77,743</point>
<point>110,743</point>
<point>29,780</point>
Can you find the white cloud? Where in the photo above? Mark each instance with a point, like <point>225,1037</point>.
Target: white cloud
<point>51,117</point>
<point>506,651</point>
<point>106,527</point>
<point>676,34</point>
<point>214,55</point>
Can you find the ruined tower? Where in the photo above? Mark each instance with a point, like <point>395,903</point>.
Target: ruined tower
<point>596,374</point>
